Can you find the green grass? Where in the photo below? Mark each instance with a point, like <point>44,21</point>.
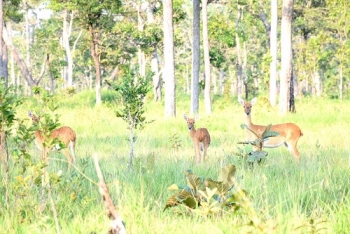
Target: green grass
<point>290,197</point>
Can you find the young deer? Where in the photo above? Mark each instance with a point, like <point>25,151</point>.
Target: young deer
<point>289,133</point>
<point>64,134</point>
<point>200,138</point>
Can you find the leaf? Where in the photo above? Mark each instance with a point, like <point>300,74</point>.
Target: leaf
<point>193,181</point>
<point>270,134</point>
<point>257,156</point>
<point>267,129</point>
<point>173,187</point>
<point>182,196</point>
<point>227,173</point>
<point>221,187</point>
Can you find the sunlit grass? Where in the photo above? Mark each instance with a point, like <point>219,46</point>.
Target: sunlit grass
<point>287,195</point>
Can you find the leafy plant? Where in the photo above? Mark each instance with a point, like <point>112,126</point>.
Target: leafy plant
<point>133,88</point>
<point>208,196</point>
<point>258,155</point>
<point>8,105</point>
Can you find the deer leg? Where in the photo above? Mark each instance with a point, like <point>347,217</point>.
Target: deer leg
<point>197,152</point>
<point>72,150</point>
<point>68,156</point>
<point>292,147</point>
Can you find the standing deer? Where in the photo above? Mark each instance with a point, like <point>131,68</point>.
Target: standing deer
<point>64,134</point>
<point>200,138</point>
<point>289,133</point>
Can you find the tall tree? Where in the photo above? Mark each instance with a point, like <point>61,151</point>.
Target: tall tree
<point>239,54</point>
<point>273,53</point>
<point>207,88</point>
<point>286,56</point>
<point>169,63</point>
<point>66,32</point>
<point>195,58</point>
<point>3,74</point>
<point>96,16</point>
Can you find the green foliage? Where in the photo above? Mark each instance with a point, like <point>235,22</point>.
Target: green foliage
<point>257,156</point>
<point>208,196</point>
<point>133,89</point>
<point>8,106</point>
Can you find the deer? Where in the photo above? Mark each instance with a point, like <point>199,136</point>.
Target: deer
<point>289,133</point>
<point>200,138</point>
<point>64,134</point>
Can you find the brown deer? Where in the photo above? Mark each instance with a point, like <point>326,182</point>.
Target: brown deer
<point>200,138</point>
<point>289,133</point>
<point>64,134</point>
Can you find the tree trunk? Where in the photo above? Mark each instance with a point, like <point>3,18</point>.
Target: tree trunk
<point>221,81</point>
<point>169,63</point>
<point>207,88</point>
<point>66,31</point>
<point>273,53</point>
<point>286,56</point>
<point>3,51</point>
<point>27,33</point>
<point>18,58</point>
<point>239,59</point>
<point>154,60</point>
<point>195,58</point>
<point>95,56</point>
<point>141,54</point>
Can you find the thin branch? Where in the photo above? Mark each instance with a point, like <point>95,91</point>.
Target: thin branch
<point>116,225</point>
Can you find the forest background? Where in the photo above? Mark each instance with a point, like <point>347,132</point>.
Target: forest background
<point>75,49</point>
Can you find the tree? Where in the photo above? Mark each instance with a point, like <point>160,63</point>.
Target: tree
<point>169,66</point>
<point>195,58</point>
<point>133,89</point>
<point>206,58</point>
<point>339,13</point>
<point>273,53</point>
<point>286,56</point>
<point>97,17</point>
<point>3,63</point>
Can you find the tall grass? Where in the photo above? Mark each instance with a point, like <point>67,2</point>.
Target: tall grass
<point>289,197</point>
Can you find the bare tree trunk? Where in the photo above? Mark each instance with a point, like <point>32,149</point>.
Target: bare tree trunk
<point>195,58</point>
<point>169,63</point>
<point>3,51</point>
<point>273,53</point>
<point>141,54</point>
<point>4,59</point>
<point>221,81</point>
<point>286,56</point>
<point>154,60</point>
<point>95,56</point>
<point>19,60</point>
<point>66,32</point>
<point>239,59</point>
<point>206,46</point>
<point>27,33</point>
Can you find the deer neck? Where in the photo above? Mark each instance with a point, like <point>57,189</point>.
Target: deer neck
<point>192,132</point>
<point>248,121</point>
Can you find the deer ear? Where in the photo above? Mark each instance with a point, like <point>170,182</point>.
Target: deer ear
<point>253,102</point>
<point>196,118</point>
<point>185,117</point>
<point>241,101</point>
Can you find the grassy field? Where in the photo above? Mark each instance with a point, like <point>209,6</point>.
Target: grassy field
<point>311,196</point>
